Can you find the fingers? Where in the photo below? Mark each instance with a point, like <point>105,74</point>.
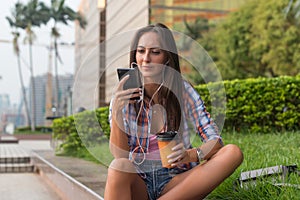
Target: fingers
<point>122,82</point>
<point>122,94</point>
<point>123,97</point>
<point>178,155</point>
<point>178,147</point>
<point>127,94</point>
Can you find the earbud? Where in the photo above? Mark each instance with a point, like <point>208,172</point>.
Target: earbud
<point>133,65</point>
<point>168,61</point>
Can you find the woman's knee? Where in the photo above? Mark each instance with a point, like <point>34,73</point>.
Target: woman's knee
<point>122,165</point>
<point>234,153</point>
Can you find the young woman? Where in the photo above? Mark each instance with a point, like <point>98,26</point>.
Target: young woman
<point>167,104</point>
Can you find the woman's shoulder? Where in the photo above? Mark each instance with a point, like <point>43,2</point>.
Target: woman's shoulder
<point>189,92</point>
<point>188,87</point>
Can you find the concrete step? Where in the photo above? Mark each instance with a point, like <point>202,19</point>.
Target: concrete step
<point>8,139</point>
<point>16,168</point>
<point>14,158</point>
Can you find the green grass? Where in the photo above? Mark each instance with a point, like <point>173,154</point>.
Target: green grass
<point>102,153</point>
<point>99,153</point>
<point>31,133</point>
<point>38,130</point>
<point>260,151</point>
<point>80,153</point>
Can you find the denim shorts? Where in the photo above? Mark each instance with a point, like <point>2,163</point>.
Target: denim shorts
<point>155,176</point>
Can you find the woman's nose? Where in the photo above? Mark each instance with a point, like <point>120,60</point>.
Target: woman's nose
<point>146,57</point>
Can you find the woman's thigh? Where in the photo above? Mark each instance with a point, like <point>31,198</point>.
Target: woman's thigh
<point>124,182</point>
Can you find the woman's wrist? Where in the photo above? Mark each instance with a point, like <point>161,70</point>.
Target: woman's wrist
<point>193,156</point>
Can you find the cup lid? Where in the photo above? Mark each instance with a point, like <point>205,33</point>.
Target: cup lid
<point>167,135</point>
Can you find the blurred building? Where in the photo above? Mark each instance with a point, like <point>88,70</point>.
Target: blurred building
<point>4,105</point>
<point>10,114</point>
<point>4,102</point>
<point>65,85</point>
<point>104,44</point>
<point>173,12</point>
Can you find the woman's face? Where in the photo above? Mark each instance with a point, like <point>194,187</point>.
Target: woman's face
<point>149,56</point>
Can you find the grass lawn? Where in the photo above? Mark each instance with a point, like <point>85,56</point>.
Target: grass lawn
<point>260,151</point>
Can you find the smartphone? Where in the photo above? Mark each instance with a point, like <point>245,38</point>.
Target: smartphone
<point>134,80</point>
<point>134,77</point>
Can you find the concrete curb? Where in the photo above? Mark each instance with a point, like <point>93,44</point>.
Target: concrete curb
<point>66,186</point>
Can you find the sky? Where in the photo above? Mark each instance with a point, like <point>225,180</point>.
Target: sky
<point>9,82</point>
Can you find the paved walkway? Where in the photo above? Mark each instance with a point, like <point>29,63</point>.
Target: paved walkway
<point>88,173</point>
<point>25,186</point>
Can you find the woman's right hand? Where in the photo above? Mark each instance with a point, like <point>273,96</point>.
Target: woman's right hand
<point>118,140</point>
<point>122,97</point>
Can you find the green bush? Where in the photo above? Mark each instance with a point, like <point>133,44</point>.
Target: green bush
<point>256,40</point>
<point>88,126</point>
<point>258,105</point>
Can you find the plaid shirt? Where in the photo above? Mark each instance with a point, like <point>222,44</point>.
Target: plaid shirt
<point>195,113</point>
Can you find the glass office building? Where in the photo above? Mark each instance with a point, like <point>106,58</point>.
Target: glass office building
<point>173,12</point>
<point>96,64</point>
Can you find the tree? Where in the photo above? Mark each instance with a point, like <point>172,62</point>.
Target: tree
<point>196,31</point>
<point>257,40</point>
<point>15,22</point>
<point>60,13</point>
<point>33,14</point>
<point>231,42</point>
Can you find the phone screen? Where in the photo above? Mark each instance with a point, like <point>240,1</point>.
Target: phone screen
<point>134,77</point>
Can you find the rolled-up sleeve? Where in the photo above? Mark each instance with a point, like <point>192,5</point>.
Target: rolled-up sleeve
<point>200,117</point>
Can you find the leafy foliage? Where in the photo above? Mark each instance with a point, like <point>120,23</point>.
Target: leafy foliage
<point>202,62</point>
<point>27,16</point>
<point>58,12</point>
<point>86,128</point>
<point>260,105</point>
<point>257,40</point>
<point>34,14</point>
<point>15,22</point>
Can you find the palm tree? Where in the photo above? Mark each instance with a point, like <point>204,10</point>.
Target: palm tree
<point>60,13</point>
<point>32,14</point>
<point>195,30</point>
<point>15,22</point>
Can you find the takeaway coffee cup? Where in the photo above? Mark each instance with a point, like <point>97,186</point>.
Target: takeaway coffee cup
<point>166,141</point>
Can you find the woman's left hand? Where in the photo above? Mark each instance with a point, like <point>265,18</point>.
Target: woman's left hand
<point>179,155</point>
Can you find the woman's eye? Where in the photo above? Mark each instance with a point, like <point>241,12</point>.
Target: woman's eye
<point>156,52</point>
<point>140,50</point>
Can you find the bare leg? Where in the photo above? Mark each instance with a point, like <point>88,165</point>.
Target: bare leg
<point>202,179</point>
<point>123,183</point>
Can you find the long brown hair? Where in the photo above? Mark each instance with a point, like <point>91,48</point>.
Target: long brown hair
<point>170,95</point>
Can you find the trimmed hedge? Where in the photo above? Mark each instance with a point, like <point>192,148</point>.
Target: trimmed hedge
<point>261,104</point>
<point>258,105</point>
<point>88,126</point>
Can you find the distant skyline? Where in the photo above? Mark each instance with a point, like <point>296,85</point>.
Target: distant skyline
<point>9,78</point>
